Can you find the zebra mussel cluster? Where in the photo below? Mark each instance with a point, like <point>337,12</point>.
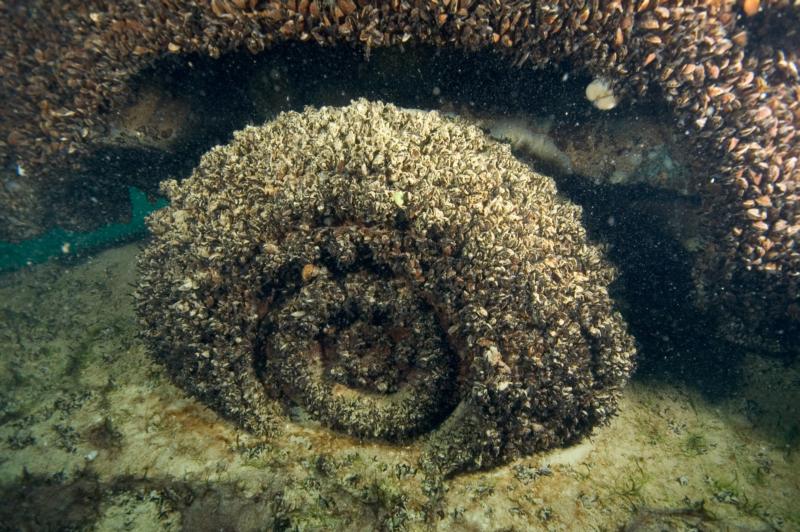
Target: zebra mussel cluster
<point>395,274</point>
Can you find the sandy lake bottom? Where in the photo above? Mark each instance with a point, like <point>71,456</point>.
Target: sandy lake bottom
<point>93,436</point>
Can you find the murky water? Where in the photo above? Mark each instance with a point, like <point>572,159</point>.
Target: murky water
<point>96,435</point>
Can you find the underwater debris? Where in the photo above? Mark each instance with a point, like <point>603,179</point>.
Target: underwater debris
<point>730,80</point>
<point>474,313</point>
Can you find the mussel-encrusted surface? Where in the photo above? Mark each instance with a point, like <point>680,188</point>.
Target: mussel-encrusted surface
<point>395,274</point>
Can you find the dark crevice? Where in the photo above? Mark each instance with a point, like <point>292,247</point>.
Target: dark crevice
<point>654,289</point>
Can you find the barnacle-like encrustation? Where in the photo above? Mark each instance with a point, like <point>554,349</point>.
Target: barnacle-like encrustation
<point>397,275</point>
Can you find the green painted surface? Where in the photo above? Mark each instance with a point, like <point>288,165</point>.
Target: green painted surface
<point>58,242</point>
